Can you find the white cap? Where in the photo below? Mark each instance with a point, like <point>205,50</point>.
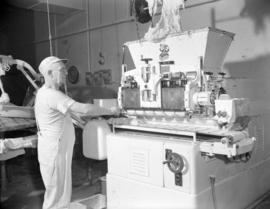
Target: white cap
<point>47,63</point>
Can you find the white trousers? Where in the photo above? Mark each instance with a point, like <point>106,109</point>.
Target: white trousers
<point>57,179</point>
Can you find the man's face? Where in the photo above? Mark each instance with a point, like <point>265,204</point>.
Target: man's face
<point>59,74</point>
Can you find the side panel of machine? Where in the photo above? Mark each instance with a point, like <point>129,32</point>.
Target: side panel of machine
<point>123,193</point>
<point>133,157</point>
<point>138,178</point>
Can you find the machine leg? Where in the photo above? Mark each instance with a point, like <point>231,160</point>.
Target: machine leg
<point>89,170</point>
<point>3,176</point>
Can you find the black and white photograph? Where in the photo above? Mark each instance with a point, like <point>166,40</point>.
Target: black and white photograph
<point>135,104</point>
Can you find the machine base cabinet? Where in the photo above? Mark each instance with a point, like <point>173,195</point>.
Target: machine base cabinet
<point>139,175</point>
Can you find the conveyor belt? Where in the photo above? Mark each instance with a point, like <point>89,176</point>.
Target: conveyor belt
<point>12,124</point>
<point>179,129</point>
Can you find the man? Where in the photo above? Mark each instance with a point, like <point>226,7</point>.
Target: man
<point>56,132</point>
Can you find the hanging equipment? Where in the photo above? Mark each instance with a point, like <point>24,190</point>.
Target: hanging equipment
<point>142,11</point>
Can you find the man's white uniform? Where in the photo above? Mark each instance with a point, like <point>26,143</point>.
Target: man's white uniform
<point>55,146</point>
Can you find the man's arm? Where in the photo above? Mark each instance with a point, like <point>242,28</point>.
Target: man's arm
<point>86,109</point>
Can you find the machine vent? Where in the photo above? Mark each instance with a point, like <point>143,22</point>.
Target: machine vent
<point>139,162</point>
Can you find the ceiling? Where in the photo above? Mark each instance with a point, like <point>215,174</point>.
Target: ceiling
<point>56,6</point>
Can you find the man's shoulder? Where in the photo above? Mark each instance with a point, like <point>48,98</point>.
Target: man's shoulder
<point>45,90</point>
<point>52,95</point>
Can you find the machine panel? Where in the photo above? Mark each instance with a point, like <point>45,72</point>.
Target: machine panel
<point>172,98</point>
<point>136,158</point>
<point>179,176</point>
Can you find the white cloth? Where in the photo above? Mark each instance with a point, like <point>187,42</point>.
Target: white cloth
<point>169,21</point>
<point>55,146</point>
<point>18,143</point>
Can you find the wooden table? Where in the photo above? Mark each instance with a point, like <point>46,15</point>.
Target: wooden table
<point>12,124</point>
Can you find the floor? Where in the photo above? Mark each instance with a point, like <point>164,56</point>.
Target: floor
<point>25,188</point>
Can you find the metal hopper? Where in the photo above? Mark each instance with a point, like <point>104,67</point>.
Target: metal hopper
<point>204,48</point>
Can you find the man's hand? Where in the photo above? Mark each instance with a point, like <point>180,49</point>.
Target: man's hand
<point>4,99</point>
<point>115,110</point>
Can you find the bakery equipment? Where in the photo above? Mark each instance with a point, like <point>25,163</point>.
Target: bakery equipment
<point>184,142</point>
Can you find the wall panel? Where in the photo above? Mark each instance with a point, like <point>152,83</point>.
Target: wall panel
<point>94,12</point>
<point>107,11</point>
<point>122,9</point>
<point>75,50</point>
<point>70,23</point>
<point>96,48</point>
